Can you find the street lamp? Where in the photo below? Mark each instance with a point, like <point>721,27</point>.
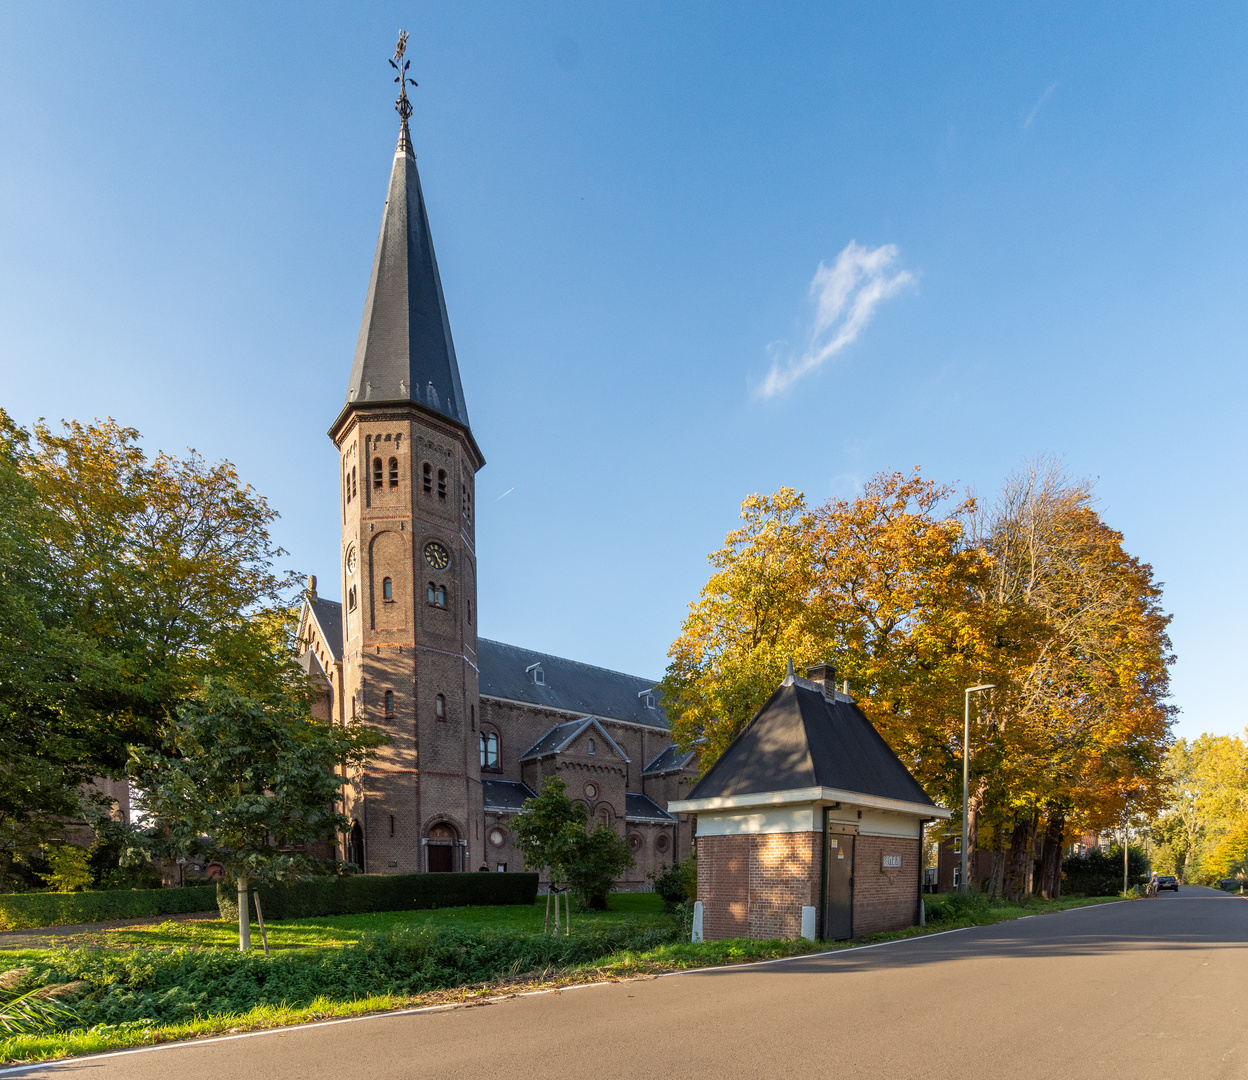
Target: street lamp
<point>966,771</point>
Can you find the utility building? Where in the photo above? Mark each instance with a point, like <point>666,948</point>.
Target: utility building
<point>808,823</point>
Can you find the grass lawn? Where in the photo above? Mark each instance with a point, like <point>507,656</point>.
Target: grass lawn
<point>320,944</point>
<point>335,931</point>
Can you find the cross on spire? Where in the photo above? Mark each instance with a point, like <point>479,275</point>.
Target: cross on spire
<point>402,105</point>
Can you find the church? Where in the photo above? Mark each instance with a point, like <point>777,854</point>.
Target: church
<point>475,725</point>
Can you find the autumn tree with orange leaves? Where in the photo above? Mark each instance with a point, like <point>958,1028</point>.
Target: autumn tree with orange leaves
<point>913,596</point>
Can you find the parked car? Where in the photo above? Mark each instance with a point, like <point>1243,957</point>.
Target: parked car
<point>1230,884</point>
<point>1167,881</point>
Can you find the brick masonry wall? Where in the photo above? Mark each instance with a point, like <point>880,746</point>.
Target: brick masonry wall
<point>885,899</point>
<point>756,886</point>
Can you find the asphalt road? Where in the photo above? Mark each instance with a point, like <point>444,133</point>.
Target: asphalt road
<point>1153,988</point>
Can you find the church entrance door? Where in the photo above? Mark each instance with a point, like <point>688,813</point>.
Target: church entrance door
<point>440,851</point>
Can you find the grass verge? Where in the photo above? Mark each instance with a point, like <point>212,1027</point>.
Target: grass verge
<point>457,930</point>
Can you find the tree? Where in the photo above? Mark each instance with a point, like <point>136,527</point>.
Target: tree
<point>596,859</point>
<point>245,781</point>
<point>123,582</point>
<point>884,585</point>
<point>1078,732</point>
<point>551,833</point>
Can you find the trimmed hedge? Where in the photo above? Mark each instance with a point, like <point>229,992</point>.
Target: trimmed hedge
<point>359,893</point>
<point>26,911</point>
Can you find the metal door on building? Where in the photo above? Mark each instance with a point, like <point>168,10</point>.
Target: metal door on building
<point>838,882</point>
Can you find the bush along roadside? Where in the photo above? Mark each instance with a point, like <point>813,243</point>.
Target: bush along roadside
<point>161,988</point>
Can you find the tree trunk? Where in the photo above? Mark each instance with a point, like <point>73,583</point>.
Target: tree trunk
<point>1021,859</point>
<point>244,915</point>
<point>996,877</point>
<point>1051,858</point>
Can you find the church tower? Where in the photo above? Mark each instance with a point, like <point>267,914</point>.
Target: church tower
<point>408,462</point>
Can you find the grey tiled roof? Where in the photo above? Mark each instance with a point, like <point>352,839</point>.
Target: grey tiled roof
<point>559,736</point>
<point>570,686</point>
<point>328,615</point>
<point>799,739</point>
<point>505,795</point>
<point>671,759</point>
<point>643,808</point>
<point>405,351</point>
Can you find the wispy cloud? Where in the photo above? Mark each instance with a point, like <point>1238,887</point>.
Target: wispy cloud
<point>1039,105</point>
<point>846,295</point>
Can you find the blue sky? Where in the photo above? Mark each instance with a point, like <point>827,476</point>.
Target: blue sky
<point>630,204</point>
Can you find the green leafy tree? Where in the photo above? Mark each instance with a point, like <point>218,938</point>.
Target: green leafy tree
<point>241,780</point>
<point>595,861</point>
<point>547,832</point>
<point>69,869</point>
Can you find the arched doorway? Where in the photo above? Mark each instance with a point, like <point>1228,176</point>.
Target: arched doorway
<point>355,846</point>
<point>440,848</point>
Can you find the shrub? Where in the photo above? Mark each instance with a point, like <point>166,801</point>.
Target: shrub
<point>950,907</point>
<point>678,883</point>
<point>358,893</point>
<point>23,911</point>
<point>1099,873</point>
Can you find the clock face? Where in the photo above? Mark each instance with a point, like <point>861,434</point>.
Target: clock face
<point>437,556</point>
<point>351,559</point>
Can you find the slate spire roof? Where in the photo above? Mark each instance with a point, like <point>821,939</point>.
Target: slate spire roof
<point>405,352</point>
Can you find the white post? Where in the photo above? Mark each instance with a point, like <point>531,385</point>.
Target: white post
<point>808,923</point>
<point>244,916</point>
<point>697,920</point>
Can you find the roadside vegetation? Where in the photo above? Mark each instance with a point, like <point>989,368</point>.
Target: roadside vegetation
<point>139,985</point>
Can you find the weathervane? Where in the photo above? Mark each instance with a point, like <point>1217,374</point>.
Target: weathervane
<point>402,106</point>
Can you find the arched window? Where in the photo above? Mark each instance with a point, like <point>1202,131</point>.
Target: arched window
<point>427,482</point>
<point>591,746</point>
<point>387,589</point>
<point>604,816</point>
<point>467,504</point>
<point>351,598</point>
<point>389,702</point>
<point>354,489</point>
<point>346,483</point>
<point>441,483</point>
<point>441,596</point>
<point>394,472</point>
<point>489,750</point>
<point>432,593</point>
<point>377,477</point>
<point>439,707</point>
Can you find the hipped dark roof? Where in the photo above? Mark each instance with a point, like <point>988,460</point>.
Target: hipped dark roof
<point>670,759</point>
<point>405,352</point>
<point>799,739</point>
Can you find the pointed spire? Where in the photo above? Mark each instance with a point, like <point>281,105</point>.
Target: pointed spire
<point>405,351</point>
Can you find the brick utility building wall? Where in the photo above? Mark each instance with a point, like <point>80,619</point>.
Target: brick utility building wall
<point>885,899</point>
<point>755,885</point>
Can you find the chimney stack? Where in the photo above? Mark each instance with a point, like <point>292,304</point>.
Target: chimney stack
<point>825,676</point>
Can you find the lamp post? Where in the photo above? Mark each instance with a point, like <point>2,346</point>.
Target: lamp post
<point>966,772</point>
